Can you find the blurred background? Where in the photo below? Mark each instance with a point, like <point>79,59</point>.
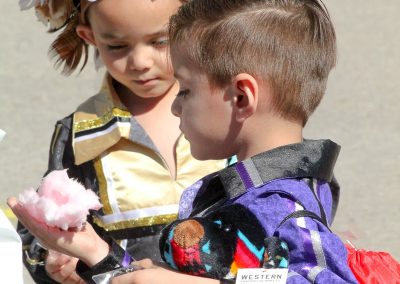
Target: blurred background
<point>361,112</point>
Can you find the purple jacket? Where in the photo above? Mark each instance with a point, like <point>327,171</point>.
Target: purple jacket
<point>274,184</point>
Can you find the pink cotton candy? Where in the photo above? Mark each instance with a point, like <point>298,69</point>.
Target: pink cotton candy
<point>60,201</point>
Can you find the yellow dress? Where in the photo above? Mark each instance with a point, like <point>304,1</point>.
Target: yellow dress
<point>135,185</point>
<point>106,149</point>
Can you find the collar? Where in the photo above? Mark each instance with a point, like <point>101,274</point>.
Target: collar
<point>309,159</point>
<point>101,122</point>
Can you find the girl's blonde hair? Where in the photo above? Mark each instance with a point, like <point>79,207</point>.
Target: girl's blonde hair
<point>68,48</point>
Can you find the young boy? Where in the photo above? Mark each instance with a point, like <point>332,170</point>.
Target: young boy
<point>123,143</point>
<point>251,72</point>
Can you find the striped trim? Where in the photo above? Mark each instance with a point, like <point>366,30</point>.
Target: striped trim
<point>244,175</point>
<point>250,246</point>
<point>248,174</point>
<point>253,172</point>
<point>114,219</point>
<point>109,189</point>
<point>312,275</point>
<point>112,116</point>
<point>102,186</point>
<point>93,136</point>
<point>115,123</point>
<point>141,222</point>
<point>123,243</point>
<point>56,134</point>
<point>139,213</point>
<point>313,247</point>
<point>317,246</point>
<point>301,222</point>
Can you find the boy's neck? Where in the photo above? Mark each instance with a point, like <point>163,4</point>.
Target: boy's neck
<point>276,132</point>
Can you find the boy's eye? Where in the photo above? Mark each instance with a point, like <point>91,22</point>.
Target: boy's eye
<point>182,93</point>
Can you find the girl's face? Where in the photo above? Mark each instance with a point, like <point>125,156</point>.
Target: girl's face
<point>132,39</point>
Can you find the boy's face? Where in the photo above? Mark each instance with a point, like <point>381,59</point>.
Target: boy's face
<point>132,39</point>
<point>205,112</point>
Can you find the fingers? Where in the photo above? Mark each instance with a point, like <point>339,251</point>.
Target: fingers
<point>12,201</point>
<point>127,278</point>
<point>55,261</point>
<point>48,236</point>
<point>24,217</point>
<point>62,268</point>
<point>19,211</point>
<point>144,263</point>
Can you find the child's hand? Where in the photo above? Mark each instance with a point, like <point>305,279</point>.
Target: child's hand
<point>158,274</point>
<point>62,268</point>
<point>85,244</point>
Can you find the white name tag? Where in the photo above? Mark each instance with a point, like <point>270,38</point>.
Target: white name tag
<point>261,275</point>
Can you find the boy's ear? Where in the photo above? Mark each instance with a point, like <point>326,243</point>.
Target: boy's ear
<point>245,96</point>
<point>86,33</point>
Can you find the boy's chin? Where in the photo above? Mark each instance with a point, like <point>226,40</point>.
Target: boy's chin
<point>201,155</point>
<point>204,156</point>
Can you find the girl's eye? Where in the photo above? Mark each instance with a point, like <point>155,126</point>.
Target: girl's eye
<point>182,93</point>
<point>116,47</point>
<point>161,42</point>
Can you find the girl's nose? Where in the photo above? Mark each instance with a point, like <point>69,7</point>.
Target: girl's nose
<point>176,107</point>
<point>140,58</point>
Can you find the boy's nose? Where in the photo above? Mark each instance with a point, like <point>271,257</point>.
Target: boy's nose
<point>176,107</point>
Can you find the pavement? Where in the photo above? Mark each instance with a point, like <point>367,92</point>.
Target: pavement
<point>360,111</point>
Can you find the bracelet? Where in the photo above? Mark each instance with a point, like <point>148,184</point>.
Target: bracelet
<point>104,278</point>
<point>116,258</point>
<point>227,281</point>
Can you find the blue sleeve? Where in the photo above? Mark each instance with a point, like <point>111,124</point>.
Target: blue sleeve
<point>316,254</point>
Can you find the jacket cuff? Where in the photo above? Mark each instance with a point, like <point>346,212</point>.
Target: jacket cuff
<point>116,258</point>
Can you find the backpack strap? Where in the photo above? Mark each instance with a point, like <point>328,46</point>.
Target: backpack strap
<point>224,201</point>
<point>313,184</point>
<point>306,213</point>
<point>300,214</point>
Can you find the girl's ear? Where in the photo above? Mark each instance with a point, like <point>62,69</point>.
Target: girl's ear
<point>86,33</point>
<point>245,94</point>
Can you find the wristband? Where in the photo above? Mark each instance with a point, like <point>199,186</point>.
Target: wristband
<point>227,281</point>
<point>104,278</point>
<point>116,258</point>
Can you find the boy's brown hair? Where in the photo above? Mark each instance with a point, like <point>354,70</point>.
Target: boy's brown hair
<point>289,43</point>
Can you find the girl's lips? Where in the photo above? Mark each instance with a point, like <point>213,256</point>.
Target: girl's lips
<point>145,82</point>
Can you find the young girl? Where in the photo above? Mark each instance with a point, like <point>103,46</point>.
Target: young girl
<point>123,143</point>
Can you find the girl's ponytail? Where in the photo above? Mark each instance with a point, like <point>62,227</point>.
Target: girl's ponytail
<point>63,16</point>
<point>68,48</point>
